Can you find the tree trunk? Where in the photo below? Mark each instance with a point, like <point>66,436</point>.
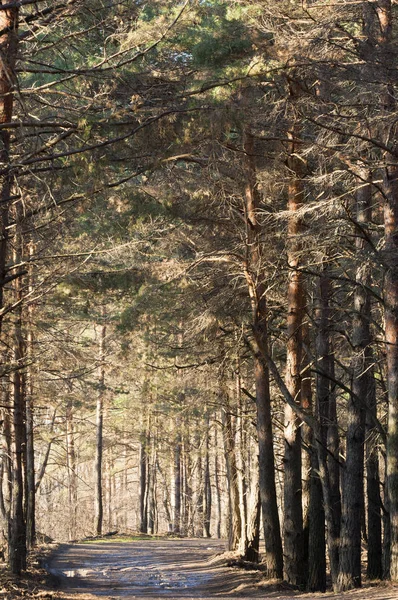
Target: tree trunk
<point>108,487</point>
<point>6,478</point>
<point>384,37</point>
<point>17,530</point>
<point>350,535</point>
<point>307,450</point>
<point>17,526</point>
<point>240,445</point>
<point>30,454</point>
<point>152,487</point>
<point>362,386</point>
<point>177,477</point>
<point>252,553</point>
<point>375,551</point>
<point>391,324</point>
<point>98,501</point>
<point>256,283</point>
<point>199,513</point>
<point>235,519</point>
<point>186,512</point>
<point>333,457</point>
<point>313,511</point>
<point>71,466</point>
<point>386,527</point>
<point>328,445</point>
<point>293,513</point>
<point>8,46</point>
<point>207,482</point>
<point>367,382</point>
<point>143,474</point>
<point>217,483</point>
<point>316,535</point>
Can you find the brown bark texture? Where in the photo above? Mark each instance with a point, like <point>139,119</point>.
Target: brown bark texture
<point>294,561</point>
<point>98,500</point>
<point>257,290</point>
<point>235,519</point>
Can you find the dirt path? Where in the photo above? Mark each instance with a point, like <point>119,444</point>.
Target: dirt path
<point>166,568</point>
<point>149,568</point>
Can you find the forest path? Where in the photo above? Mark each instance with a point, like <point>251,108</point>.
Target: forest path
<point>164,568</point>
<point>169,568</point>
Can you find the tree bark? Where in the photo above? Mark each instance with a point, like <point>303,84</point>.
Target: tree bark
<point>307,448</point>
<point>375,549</point>
<point>235,519</point>
<point>98,500</point>
<point>316,536</point>
<point>294,562</point>
<point>186,503</point>
<point>362,384</point>
<point>152,513</point>
<point>333,447</point>
<point>17,528</point>
<point>352,505</point>
<point>177,477</point>
<point>9,20</point>
<point>8,46</point>
<point>366,380</point>
<point>252,551</point>
<point>321,452</point>
<point>257,289</point>
<point>391,325</point>
<point>328,445</point>
<point>240,444</point>
<point>217,483</point>
<point>199,491</point>
<point>30,451</point>
<point>71,466</point>
<point>207,482</point>
<point>383,43</point>
<point>143,474</point>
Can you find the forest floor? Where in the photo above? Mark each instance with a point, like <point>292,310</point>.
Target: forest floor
<point>163,568</point>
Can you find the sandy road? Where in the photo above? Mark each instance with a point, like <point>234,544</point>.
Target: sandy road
<point>181,569</point>
<point>150,568</point>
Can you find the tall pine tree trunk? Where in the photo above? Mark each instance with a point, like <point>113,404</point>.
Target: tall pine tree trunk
<point>17,529</point>
<point>143,474</point>
<point>207,482</point>
<point>252,553</point>
<point>293,513</point>
<point>30,454</point>
<point>177,477</point>
<point>363,388</point>
<point>8,48</point>
<point>255,277</point>
<point>375,549</point>
<point>328,445</point>
<point>384,49</point>
<point>391,324</point>
<point>98,500</point>
<point>217,483</point>
<point>71,466</point>
<point>307,449</point>
<point>235,519</point>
